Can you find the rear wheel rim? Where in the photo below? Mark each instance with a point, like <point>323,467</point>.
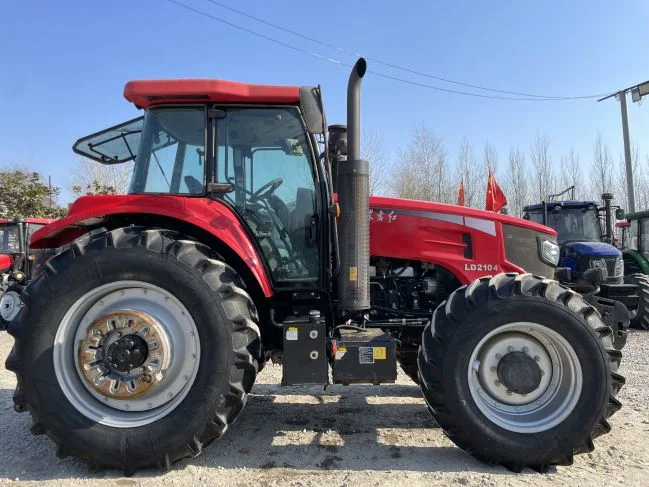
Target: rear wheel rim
<point>555,394</point>
<point>136,402</point>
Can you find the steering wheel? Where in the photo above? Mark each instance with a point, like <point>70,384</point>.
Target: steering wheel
<point>264,192</point>
<point>267,189</point>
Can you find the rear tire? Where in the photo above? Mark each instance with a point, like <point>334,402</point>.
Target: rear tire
<point>641,318</point>
<point>548,325</point>
<point>180,285</point>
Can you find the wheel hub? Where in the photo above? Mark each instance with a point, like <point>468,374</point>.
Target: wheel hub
<point>127,353</point>
<point>10,305</point>
<point>124,354</point>
<point>519,373</point>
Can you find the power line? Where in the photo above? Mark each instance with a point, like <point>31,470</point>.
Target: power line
<point>382,75</point>
<point>396,66</point>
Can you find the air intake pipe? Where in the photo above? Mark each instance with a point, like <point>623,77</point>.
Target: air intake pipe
<point>353,198</point>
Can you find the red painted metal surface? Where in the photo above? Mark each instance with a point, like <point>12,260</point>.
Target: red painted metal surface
<point>147,93</point>
<point>6,261</point>
<point>210,215</point>
<point>432,232</point>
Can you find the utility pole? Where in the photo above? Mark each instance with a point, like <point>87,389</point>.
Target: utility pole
<point>630,187</point>
<point>637,92</point>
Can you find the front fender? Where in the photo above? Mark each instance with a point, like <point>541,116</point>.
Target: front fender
<point>210,215</point>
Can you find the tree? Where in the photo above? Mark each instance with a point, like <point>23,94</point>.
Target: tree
<point>23,193</point>
<point>473,182</point>
<point>601,175</point>
<point>517,182</point>
<point>423,172</point>
<point>489,159</point>
<point>372,150</point>
<point>571,174</point>
<point>541,168</point>
<point>95,178</point>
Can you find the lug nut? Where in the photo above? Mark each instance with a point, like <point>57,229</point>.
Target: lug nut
<point>537,358</point>
<point>509,393</point>
<point>493,369</point>
<point>498,383</point>
<point>510,348</point>
<point>525,349</point>
<point>498,356</point>
<point>146,378</point>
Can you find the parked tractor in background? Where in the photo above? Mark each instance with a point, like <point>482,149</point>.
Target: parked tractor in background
<point>589,263</point>
<point>16,261</point>
<point>635,251</point>
<point>245,237</point>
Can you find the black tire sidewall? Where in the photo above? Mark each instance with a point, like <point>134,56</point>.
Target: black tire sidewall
<point>58,292</point>
<point>538,447</point>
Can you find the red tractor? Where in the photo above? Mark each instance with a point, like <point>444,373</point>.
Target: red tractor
<point>245,237</point>
<point>17,261</point>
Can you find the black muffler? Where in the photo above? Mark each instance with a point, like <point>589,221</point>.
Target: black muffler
<point>353,198</point>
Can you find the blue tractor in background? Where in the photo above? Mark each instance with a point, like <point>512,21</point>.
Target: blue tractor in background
<point>589,262</point>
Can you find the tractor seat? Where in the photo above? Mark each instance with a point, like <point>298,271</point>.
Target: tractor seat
<point>298,217</point>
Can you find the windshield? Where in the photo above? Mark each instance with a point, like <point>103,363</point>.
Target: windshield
<point>171,155</point>
<point>571,224</point>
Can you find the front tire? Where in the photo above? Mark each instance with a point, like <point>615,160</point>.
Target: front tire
<point>641,318</point>
<point>520,371</point>
<point>134,349</point>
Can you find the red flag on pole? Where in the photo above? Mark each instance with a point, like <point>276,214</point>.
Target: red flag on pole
<point>460,193</point>
<point>495,197</point>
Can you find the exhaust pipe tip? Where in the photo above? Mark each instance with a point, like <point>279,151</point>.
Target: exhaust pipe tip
<point>360,67</point>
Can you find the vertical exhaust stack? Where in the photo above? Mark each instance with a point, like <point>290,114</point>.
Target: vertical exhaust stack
<point>608,218</point>
<point>353,197</point>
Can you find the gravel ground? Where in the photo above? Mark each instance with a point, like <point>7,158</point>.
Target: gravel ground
<point>358,435</point>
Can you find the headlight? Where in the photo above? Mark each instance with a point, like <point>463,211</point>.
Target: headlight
<point>549,252</point>
<point>619,267</point>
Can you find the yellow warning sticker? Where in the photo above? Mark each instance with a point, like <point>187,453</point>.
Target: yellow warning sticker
<point>353,273</point>
<point>340,353</point>
<point>380,353</point>
<point>291,333</point>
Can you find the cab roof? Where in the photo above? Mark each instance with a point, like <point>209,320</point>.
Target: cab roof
<point>147,93</point>
<point>566,204</point>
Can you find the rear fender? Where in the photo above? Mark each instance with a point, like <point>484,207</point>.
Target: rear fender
<point>208,216</point>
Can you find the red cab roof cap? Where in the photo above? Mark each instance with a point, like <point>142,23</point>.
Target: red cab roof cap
<point>147,93</point>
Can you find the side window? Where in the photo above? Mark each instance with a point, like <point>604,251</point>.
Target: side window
<point>264,154</point>
<point>294,171</point>
<point>171,156</point>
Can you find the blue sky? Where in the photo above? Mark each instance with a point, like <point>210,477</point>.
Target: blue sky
<point>64,65</point>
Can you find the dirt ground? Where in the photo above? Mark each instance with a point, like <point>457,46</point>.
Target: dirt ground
<point>344,436</point>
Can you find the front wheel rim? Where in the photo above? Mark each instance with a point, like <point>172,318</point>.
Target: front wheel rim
<point>168,379</point>
<point>558,383</point>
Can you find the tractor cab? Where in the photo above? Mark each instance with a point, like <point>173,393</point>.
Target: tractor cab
<point>258,160</point>
<point>635,243</point>
<point>15,255</point>
<point>585,236</point>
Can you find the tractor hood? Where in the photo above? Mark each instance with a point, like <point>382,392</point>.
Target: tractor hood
<point>593,249</point>
<point>471,215</point>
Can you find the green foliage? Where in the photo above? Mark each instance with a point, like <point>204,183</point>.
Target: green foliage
<point>95,187</point>
<point>23,193</point>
